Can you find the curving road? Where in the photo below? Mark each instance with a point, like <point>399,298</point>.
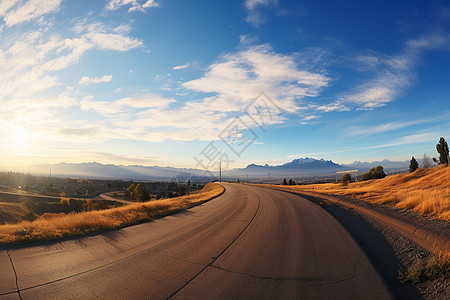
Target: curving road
<point>248,243</point>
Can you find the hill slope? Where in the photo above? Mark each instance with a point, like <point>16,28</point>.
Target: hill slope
<point>425,191</point>
<point>12,212</point>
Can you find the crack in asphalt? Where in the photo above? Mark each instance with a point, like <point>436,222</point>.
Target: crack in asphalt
<point>177,258</point>
<point>215,258</point>
<point>15,275</point>
<point>102,266</point>
<point>320,281</point>
<point>418,227</point>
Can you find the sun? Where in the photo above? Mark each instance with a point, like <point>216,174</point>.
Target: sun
<point>21,136</point>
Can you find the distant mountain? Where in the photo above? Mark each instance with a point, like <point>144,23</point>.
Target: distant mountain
<point>310,163</point>
<point>298,164</point>
<point>386,164</point>
<point>110,171</point>
<point>299,167</point>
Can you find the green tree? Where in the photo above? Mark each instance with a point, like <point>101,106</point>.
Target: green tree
<point>145,196</point>
<point>374,173</point>
<point>413,165</point>
<point>284,182</point>
<point>346,178</point>
<point>129,191</point>
<point>442,149</point>
<point>137,192</point>
<point>290,182</point>
<point>140,194</point>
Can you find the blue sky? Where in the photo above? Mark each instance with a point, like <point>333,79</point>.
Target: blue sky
<point>165,82</point>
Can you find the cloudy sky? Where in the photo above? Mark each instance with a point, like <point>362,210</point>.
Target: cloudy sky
<point>184,83</point>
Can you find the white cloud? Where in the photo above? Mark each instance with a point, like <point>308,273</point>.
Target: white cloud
<point>109,39</point>
<point>181,67</point>
<point>239,77</point>
<point>29,65</point>
<point>429,42</point>
<point>253,4</point>
<point>85,80</point>
<point>255,17</point>
<point>125,105</point>
<point>386,127</point>
<point>393,74</point>
<point>377,93</point>
<point>232,83</point>
<point>410,139</point>
<point>135,5</point>
<point>27,11</point>
<point>6,5</point>
<point>393,126</point>
<point>308,118</point>
<point>336,106</point>
<point>38,115</point>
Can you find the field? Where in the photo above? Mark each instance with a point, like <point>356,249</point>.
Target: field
<point>425,191</point>
<point>18,207</point>
<point>52,226</point>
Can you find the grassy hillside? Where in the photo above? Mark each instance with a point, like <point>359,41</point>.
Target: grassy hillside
<point>12,212</point>
<point>425,191</point>
<point>15,208</point>
<point>52,226</point>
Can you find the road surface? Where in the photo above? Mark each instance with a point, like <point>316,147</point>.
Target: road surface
<point>105,196</point>
<point>249,243</point>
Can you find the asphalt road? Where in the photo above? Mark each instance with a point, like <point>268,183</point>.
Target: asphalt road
<point>249,243</point>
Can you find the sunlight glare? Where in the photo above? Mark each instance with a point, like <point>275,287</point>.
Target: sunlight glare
<point>21,136</point>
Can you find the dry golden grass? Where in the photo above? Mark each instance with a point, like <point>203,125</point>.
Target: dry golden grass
<point>432,268</point>
<point>425,191</point>
<point>12,212</point>
<point>53,226</point>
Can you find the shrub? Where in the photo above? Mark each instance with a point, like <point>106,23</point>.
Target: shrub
<point>346,178</point>
<point>427,162</point>
<point>435,267</point>
<point>65,201</point>
<point>374,173</point>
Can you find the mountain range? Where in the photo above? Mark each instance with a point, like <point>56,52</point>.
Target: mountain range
<point>110,171</point>
<point>300,167</point>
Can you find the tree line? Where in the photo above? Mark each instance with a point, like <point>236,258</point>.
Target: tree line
<point>427,162</point>
<point>443,159</point>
